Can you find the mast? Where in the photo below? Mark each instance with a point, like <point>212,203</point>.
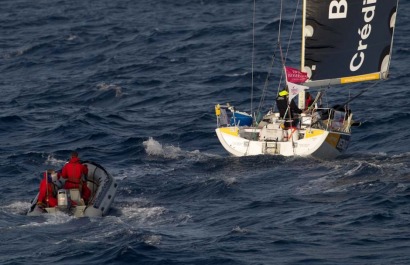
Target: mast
<point>301,101</point>
<point>302,51</point>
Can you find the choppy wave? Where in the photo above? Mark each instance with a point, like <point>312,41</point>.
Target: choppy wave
<point>131,85</point>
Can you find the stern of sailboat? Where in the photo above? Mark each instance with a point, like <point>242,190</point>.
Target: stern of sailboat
<point>321,139</point>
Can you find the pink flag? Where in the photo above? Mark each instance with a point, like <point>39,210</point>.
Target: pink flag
<point>294,90</point>
<point>295,76</point>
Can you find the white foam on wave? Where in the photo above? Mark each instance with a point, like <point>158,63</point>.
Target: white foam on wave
<point>403,155</point>
<point>51,160</point>
<point>316,185</point>
<point>238,229</point>
<point>235,75</point>
<point>21,208</point>
<point>152,240</point>
<point>52,219</point>
<point>144,214</point>
<point>352,171</point>
<point>16,53</point>
<point>16,207</point>
<point>230,180</point>
<point>358,174</point>
<point>105,87</point>
<point>72,37</point>
<point>155,148</point>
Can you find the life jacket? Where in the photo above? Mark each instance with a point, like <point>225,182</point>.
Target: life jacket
<point>47,191</point>
<point>74,172</point>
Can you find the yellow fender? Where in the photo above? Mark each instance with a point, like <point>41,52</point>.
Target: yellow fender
<point>218,110</point>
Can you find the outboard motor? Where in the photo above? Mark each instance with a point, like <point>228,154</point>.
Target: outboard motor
<point>63,199</point>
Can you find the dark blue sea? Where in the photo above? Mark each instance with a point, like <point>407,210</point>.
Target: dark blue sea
<point>132,86</point>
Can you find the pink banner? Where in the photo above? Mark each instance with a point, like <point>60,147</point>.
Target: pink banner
<point>295,76</point>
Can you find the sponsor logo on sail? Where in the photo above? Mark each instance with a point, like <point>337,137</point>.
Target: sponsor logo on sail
<point>364,32</point>
<point>338,10</point>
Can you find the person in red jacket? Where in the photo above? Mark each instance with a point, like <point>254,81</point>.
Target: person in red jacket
<point>75,173</point>
<point>48,190</point>
<point>308,100</point>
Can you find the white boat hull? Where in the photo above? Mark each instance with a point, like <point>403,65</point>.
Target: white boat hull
<point>318,143</point>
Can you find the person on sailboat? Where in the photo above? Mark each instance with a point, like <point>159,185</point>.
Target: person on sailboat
<point>287,111</point>
<point>76,173</point>
<point>308,100</point>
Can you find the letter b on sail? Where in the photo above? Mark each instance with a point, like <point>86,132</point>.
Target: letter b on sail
<point>338,9</point>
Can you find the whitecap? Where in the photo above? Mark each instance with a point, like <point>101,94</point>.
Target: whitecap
<point>154,148</point>
<point>72,37</point>
<point>16,207</point>
<point>238,229</point>
<point>51,160</point>
<point>105,87</point>
<point>152,239</point>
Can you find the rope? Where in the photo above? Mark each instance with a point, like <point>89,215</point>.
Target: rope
<point>280,20</point>
<point>359,94</point>
<point>291,31</point>
<point>284,58</point>
<point>253,51</point>
<point>280,31</point>
<point>265,87</point>
<point>278,46</point>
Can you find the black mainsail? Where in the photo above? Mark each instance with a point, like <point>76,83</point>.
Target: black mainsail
<point>347,41</point>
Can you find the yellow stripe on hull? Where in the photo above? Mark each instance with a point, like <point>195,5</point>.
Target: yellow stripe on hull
<point>338,141</point>
<point>333,139</point>
<point>230,130</point>
<point>313,133</point>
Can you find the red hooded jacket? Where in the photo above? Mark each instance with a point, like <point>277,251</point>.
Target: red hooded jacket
<point>73,172</point>
<point>47,197</point>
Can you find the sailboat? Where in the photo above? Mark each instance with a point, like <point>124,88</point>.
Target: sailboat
<point>342,42</point>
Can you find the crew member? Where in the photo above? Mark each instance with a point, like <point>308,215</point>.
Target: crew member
<point>282,103</point>
<point>75,174</point>
<point>48,190</point>
<point>308,100</point>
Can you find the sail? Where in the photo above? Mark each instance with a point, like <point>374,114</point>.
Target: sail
<point>347,41</point>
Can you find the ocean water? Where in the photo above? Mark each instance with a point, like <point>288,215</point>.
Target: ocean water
<point>132,85</point>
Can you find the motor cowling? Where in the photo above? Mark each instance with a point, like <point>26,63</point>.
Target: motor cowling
<point>63,199</point>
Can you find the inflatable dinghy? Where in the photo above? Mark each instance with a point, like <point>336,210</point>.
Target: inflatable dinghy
<point>103,188</point>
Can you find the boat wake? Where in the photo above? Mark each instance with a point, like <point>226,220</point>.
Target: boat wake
<point>155,148</point>
<point>370,173</point>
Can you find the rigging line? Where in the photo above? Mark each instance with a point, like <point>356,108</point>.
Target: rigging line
<point>291,31</point>
<point>266,83</point>
<point>265,88</point>
<point>279,32</point>
<point>280,20</point>
<point>360,93</point>
<point>287,49</point>
<point>253,51</point>
<point>280,47</point>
